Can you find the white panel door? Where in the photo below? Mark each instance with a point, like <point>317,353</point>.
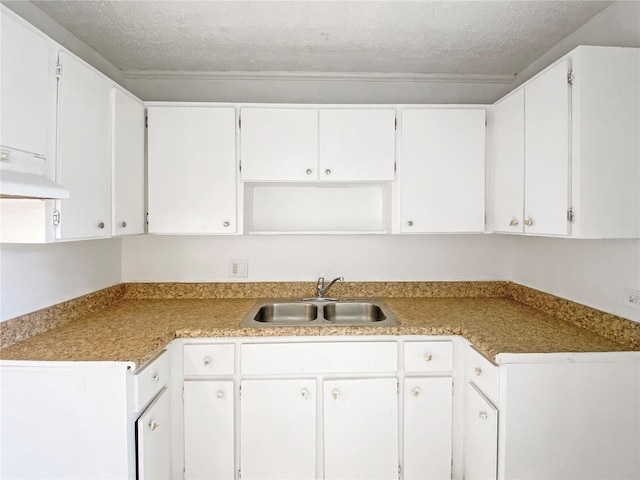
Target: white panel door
<point>208,429</point>
<point>278,429</point>
<point>508,164</point>
<point>127,163</point>
<point>547,136</point>
<point>361,429</point>
<point>191,170</point>
<point>84,150</point>
<point>279,144</point>
<point>442,170</point>
<point>481,437</point>
<point>357,144</point>
<point>427,428</point>
<point>28,87</point>
<point>154,440</point>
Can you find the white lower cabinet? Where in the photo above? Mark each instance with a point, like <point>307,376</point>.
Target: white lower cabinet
<point>481,437</point>
<point>208,429</point>
<point>278,429</point>
<point>153,434</point>
<point>428,417</point>
<point>360,422</point>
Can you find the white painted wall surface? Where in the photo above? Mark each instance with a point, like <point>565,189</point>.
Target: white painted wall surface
<point>37,276</point>
<point>591,272</point>
<point>307,257</point>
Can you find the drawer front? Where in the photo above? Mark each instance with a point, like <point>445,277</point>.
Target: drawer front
<point>151,379</point>
<point>330,357</point>
<point>209,359</point>
<point>428,356</point>
<point>484,374</point>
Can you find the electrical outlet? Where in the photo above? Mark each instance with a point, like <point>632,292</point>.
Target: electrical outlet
<point>632,298</point>
<point>238,268</point>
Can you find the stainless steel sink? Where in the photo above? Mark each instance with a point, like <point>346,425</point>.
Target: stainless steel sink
<point>318,312</point>
<point>353,312</point>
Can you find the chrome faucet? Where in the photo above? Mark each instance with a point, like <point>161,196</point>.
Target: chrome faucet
<point>321,290</point>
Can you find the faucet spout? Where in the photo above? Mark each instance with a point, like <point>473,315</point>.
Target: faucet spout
<point>321,290</point>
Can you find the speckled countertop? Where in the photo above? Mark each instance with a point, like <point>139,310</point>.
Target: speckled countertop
<point>135,329</point>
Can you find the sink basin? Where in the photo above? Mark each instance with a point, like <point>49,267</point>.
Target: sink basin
<point>353,312</point>
<point>318,312</point>
<point>286,312</point>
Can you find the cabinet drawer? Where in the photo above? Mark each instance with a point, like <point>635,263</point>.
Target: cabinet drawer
<point>334,357</point>
<point>428,356</point>
<point>484,374</point>
<point>216,359</point>
<point>152,378</point>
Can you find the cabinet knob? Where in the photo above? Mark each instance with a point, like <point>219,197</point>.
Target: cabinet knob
<point>156,378</point>
<point>309,171</point>
<point>335,394</point>
<point>225,224</point>
<point>123,224</point>
<point>513,222</point>
<point>528,221</point>
<point>305,393</point>
<point>415,392</point>
<point>482,415</point>
<point>428,357</point>
<point>220,394</point>
<point>478,371</point>
<point>101,225</point>
<point>327,171</point>
<point>207,361</point>
<point>153,425</point>
<point>410,223</point>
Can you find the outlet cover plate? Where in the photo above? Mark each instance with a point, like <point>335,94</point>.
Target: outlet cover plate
<point>239,267</point>
<point>632,298</point>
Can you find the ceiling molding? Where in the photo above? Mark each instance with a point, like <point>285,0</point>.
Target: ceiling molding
<point>319,76</point>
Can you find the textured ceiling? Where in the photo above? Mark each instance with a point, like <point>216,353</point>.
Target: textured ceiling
<point>433,37</point>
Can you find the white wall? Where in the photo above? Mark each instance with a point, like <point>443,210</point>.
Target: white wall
<point>37,276</point>
<point>591,272</point>
<point>307,257</point>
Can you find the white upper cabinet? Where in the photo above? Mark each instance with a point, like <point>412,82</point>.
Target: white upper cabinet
<point>279,144</point>
<point>442,170</point>
<point>127,163</point>
<point>28,84</point>
<point>546,139</point>
<point>84,150</point>
<point>191,169</point>
<point>310,144</point>
<point>567,149</point>
<point>357,144</point>
<point>508,163</point>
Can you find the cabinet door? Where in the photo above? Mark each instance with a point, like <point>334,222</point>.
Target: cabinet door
<point>84,117</point>
<point>192,170</point>
<point>153,430</point>
<point>427,428</point>
<point>208,429</point>
<point>547,135</point>
<point>278,429</point>
<point>481,437</point>
<point>279,144</point>
<point>442,170</point>
<point>127,164</point>
<point>28,87</point>
<point>357,144</point>
<point>361,429</point>
<point>508,166</point>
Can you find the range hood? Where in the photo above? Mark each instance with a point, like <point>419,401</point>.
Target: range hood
<point>22,175</point>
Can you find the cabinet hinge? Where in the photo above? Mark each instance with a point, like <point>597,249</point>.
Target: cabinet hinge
<point>395,123</point>
<point>56,217</point>
<point>239,473</point>
<point>399,471</point>
<point>398,388</point>
<point>570,215</point>
<point>240,165</point>
<point>58,71</point>
<point>182,393</point>
<point>240,391</point>
<point>147,218</point>
<point>570,78</point>
<point>239,122</point>
<point>146,121</point>
<point>395,167</point>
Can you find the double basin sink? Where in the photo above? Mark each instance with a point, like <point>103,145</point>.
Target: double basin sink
<point>318,312</point>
